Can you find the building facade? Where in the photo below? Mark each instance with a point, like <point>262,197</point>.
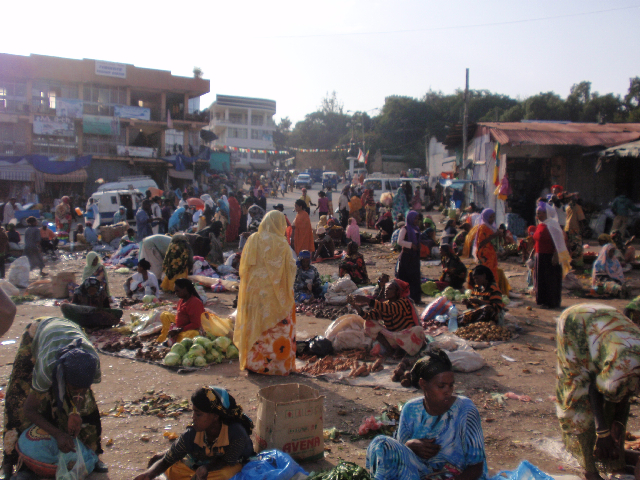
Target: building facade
<point>244,122</point>
<point>122,115</point>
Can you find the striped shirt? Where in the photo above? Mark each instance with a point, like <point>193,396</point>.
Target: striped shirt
<point>396,315</point>
<point>491,296</point>
<point>52,335</point>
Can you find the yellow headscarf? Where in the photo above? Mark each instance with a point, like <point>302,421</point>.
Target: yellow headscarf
<point>267,272</point>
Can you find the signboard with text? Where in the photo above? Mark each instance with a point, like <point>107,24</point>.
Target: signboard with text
<point>130,151</point>
<point>108,69</point>
<point>69,107</point>
<point>136,113</point>
<point>56,126</point>
<point>100,125</point>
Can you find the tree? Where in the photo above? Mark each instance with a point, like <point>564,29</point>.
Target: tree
<point>545,106</point>
<point>282,133</point>
<point>197,72</point>
<point>331,104</point>
<point>632,101</point>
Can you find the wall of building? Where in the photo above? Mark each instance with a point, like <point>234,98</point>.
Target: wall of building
<point>330,161</point>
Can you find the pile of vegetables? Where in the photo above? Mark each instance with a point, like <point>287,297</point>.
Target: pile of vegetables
<point>200,351</point>
<point>402,373</point>
<point>18,299</point>
<point>342,471</point>
<point>483,332</point>
<point>342,363</point>
<point>453,295</point>
<point>320,310</point>
<point>511,249</point>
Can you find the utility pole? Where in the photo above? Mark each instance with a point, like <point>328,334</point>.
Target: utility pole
<point>465,121</point>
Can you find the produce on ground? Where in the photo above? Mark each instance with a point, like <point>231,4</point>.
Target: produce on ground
<point>483,332</point>
<point>158,404</point>
<point>342,471</point>
<point>320,310</point>
<point>341,363</point>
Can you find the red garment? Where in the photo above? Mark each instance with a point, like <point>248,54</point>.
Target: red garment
<point>234,220</point>
<point>189,314</point>
<point>544,242</point>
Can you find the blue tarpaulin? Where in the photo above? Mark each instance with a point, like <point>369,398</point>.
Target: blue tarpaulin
<point>456,183</point>
<point>59,165</point>
<point>180,161</point>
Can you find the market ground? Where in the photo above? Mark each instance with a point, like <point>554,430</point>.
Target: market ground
<point>510,430</point>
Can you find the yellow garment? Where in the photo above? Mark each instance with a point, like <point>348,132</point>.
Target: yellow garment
<point>167,319</point>
<point>267,272</point>
<point>469,241</point>
<point>221,441</point>
<point>202,222</point>
<point>179,471</point>
<point>187,334</point>
<point>355,204</point>
<point>503,283</point>
<point>168,285</point>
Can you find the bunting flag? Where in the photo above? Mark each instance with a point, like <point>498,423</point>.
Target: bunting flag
<point>496,169</point>
<point>361,155</point>
<point>366,158</point>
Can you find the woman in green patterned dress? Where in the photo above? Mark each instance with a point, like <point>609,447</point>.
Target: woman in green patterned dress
<point>598,371</point>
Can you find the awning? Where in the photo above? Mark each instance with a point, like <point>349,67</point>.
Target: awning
<point>20,172</point>
<point>458,184</point>
<point>241,166</point>
<point>184,174</point>
<point>631,149</point>
<point>79,176</point>
<point>261,166</point>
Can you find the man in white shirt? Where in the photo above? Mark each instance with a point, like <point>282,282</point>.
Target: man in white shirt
<point>9,210</point>
<point>156,214</point>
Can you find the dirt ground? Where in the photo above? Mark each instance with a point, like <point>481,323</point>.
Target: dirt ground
<point>509,430</point>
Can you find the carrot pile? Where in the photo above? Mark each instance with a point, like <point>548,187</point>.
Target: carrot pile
<point>348,361</point>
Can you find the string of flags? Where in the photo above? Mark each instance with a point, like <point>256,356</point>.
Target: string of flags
<point>228,148</point>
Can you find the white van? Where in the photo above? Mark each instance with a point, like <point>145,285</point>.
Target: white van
<point>358,171</point>
<point>380,185</point>
<point>141,183</point>
<point>109,202</point>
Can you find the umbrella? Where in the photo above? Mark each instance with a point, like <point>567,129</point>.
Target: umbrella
<point>196,202</point>
<point>155,192</point>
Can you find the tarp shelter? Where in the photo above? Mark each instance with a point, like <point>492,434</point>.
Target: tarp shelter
<point>219,161</point>
<point>56,165</point>
<point>631,149</point>
<point>458,184</point>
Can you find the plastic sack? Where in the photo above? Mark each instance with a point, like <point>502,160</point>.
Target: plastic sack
<point>338,291</point>
<point>320,346</point>
<point>525,471</point>
<point>8,288</point>
<point>440,306</point>
<point>466,361</point>
<point>149,325</point>
<point>79,470</point>
<point>215,325</point>
<point>19,272</point>
<point>571,282</point>
<point>41,288</point>
<point>270,465</point>
<point>347,332</point>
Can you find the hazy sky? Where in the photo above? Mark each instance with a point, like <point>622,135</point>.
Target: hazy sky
<point>294,52</point>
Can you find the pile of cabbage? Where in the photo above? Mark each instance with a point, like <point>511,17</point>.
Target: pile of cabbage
<point>454,295</point>
<point>200,351</point>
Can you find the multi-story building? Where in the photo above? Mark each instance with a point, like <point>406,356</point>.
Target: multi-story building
<point>244,122</point>
<point>125,116</point>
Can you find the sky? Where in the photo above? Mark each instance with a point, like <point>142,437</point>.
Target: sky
<point>296,52</point>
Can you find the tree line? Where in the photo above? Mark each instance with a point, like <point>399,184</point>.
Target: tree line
<point>404,124</point>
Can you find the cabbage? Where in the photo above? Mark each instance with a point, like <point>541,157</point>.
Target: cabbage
<point>205,342</point>
<point>172,359</point>
<point>148,298</point>
<point>178,349</point>
<point>449,292</point>
<point>197,351</point>
<point>468,293</point>
<point>222,343</point>
<point>187,342</point>
<point>187,362</point>
<point>458,297</point>
<point>199,362</point>
<point>210,336</point>
<point>232,351</point>
<point>506,300</point>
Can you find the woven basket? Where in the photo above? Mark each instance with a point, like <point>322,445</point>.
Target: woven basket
<point>45,470</point>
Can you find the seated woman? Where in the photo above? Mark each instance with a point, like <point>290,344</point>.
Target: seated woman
<point>177,263</point>
<point>384,226</point>
<point>215,446</point>
<point>128,238</point>
<point>91,293</point>
<point>188,319</point>
<point>429,246</point>
<point>607,277</point>
<point>458,240</point>
<point>215,256</point>
<point>626,253</point>
<point>393,323</point>
<point>353,265</point>
<point>325,248</point>
<point>142,283</point>
<point>353,232</point>
<point>95,268</point>
<point>322,222</point>
<point>485,303</point>
<point>49,393</point>
<point>48,239</point>
<point>454,272</point>
<point>439,434</point>
<point>14,237</point>
<point>307,285</point>
<point>449,233</point>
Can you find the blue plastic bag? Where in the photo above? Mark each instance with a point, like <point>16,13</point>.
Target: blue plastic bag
<point>525,471</point>
<point>270,465</point>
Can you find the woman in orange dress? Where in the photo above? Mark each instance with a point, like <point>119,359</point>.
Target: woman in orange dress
<point>302,232</point>
<point>234,219</point>
<point>265,326</point>
<point>478,241</point>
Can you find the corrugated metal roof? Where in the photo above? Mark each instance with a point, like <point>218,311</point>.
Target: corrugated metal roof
<point>625,150</point>
<point>552,133</point>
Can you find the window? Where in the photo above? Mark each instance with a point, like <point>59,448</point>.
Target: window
<point>103,144</point>
<point>13,97</point>
<point>237,118</point>
<point>100,100</point>
<point>52,100</point>
<point>173,138</point>
<point>257,120</point>
<point>237,133</point>
<point>13,138</point>
<point>44,93</point>
<point>114,200</point>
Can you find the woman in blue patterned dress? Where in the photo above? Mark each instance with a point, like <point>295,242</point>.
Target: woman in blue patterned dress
<point>439,435</point>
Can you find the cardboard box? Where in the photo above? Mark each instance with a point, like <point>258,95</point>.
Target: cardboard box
<point>290,418</point>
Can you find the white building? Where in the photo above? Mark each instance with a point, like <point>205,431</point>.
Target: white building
<point>244,122</point>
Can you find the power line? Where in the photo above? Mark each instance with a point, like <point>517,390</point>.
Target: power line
<point>457,27</point>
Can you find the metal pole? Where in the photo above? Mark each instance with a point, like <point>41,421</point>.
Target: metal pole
<point>465,121</point>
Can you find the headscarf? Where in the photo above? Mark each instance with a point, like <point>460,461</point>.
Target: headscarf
<point>403,288</point>
<point>175,219</point>
<point>256,212</point>
<point>486,214</point>
<point>435,362</point>
<point>531,230</point>
<point>206,198</point>
<point>557,235</point>
<point>74,366</point>
<point>353,231</point>
<point>224,206</point>
<point>267,273</point>
<point>302,255</point>
<point>66,200</point>
<point>90,269</point>
<point>557,187</point>
<point>213,399</point>
<point>607,266</point>
<point>91,282</point>
<point>322,222</point>
<point>413,235</point>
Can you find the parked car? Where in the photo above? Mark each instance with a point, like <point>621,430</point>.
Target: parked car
<point>109,202</point>
<point>303,181</point>
<point>315,174</point>
<point>380,185</point>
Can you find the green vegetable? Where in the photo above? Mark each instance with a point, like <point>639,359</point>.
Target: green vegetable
<point>179,349</point>
<point>204,341</point>
<point>187,361</point>
<point>506,300</point>
<point>211,336</point>
<point>449,292</point>
<point>18,299</point>
<point>199,362</point>
<point>222,343</point>
<point>430,289</point>
<point>187,342</point>
<point>468,293</point>
<point>172,359</point>
<point>213,356</point>
<point>343,471</point>
<point>232,352</point>
<point>197,351</point>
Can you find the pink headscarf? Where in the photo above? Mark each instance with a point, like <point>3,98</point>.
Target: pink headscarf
<point>353,231</point>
